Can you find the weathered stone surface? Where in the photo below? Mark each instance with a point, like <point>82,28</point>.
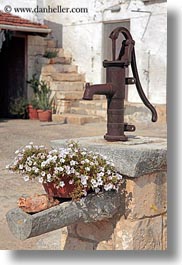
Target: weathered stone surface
<point>136,157</point>
<point>73,243</point>
<point>70,118</point>
<point>96,231</point>
<point>67,77</point>
<point>164,236</point>
<point>105,245</point>
<point>58,68</point>
<point>146,196</point>
<point>144,234</point>
<point>69,95</point>
<point>67,86</point>
<point>92,208</point>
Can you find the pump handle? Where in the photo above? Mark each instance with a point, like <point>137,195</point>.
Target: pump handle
<point>130,57</point>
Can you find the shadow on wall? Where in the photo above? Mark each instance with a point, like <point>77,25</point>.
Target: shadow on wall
<point>57,32</point>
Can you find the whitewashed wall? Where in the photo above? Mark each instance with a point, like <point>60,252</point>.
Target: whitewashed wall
<point>82,36</point>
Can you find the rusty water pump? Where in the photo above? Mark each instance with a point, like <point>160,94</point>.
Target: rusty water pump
<point>114,89</point>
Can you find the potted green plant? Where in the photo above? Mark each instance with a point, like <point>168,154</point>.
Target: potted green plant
<point>33,103</point>
<point>41,101</point>
<point>45,102</point>
<point>69,172</point>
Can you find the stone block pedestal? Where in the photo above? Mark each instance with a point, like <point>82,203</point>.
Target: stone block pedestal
<point>141,221</point>
<point>133,218</point>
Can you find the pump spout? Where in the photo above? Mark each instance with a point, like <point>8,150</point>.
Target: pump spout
<point>101,89</point>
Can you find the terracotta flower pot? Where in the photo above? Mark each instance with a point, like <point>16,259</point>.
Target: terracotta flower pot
<point>59,192</point>
<point>45,115</point>
<point>32,113</point>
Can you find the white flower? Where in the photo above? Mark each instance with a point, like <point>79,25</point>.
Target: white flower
<point>42,156</point>
<point>62,160</point>
<point>71,181</point>
<point>30,163</point>
<point>7,166</point>
<point>36,170</point>
<point>72,162</point>
<point>108,186</point>
<point>43,164</point>
<point>61,184</point>
<point>72,171</point>
<point>60,169</point>
<point>43,173</point>
<point>86,160</point>
<point>87,169</point>
<point>27,168</point>
<point>100,182</point>
<point>17,152</point>
<point>41,179</point>
<point>26,178</point>
<point>49,177</point>
<point>31,143</point>
<point>97,190</point>
<point>20,166</point>
<point>84,180</point>
<point>99,175</point>
<point>119,177</point>
<point>93,181</point>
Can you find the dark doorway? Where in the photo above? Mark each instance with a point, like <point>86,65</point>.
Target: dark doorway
<point>12,73</point>
<point>107,44</point>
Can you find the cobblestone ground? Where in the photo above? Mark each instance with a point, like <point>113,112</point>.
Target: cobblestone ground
<point>16,133</point>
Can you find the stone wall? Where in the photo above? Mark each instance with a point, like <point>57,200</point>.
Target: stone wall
<point>139,225</point>
<point>35,49</point>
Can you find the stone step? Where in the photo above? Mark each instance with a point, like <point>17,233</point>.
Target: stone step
<point>69,95</point>
<point>56,60</point>
<point>69,77</point>
<point>86,111</point>
<point>92,104</point>
<point>75,118</point>
<point>67,86</point>
<point>58,68</point>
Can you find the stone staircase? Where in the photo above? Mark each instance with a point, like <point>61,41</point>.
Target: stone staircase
<point>67,87</point>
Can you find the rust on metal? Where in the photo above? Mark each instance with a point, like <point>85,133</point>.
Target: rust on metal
<point>114,89</point>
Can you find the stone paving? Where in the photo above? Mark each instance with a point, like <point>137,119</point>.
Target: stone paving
<point>16,133</point>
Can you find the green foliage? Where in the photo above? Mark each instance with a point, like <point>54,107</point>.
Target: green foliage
<point>42,94</point>
<point>18,107</point>
<point>50,54</point>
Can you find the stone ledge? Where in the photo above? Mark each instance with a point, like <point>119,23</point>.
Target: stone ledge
<point>93,208</point>
<point>136,157</point>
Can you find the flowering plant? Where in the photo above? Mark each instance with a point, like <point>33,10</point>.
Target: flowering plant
<point>85,169</point>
